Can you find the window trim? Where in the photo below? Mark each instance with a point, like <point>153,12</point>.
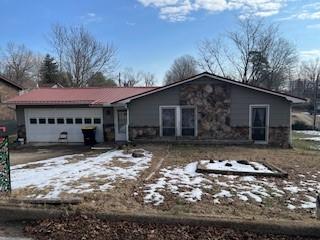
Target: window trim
<point>68,118</point>
<point>84,120</point>
<point>100,120</point>
<point>64,121</point>
<point>267,107</point>
<point>54,121</point>
<point>176,119</point>
<point>195,119</point>
<point>178,123</point>
<point>43,123</point>
<point>75,120</point>
<point>36,122</point>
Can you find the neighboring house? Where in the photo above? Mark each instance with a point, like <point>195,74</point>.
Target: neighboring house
<point>204,108</point>
<point>8,89</point>
<point>49,85</point>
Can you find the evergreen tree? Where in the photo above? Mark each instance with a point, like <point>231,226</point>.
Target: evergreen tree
<point>99,80</point>
<point>49,73</point>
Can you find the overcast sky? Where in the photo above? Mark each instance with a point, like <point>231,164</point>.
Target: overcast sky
<point>150,34</point>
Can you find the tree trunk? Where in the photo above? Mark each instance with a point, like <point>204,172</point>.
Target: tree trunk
<point>315,103</point>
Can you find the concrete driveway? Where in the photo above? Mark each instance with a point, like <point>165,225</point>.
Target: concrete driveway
<point>26,154</point>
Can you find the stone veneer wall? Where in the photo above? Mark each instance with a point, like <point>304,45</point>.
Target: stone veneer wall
<point>213,107</point>
<point>279,136</point>
<point>147,132</point>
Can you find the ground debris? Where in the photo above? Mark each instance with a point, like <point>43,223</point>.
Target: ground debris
<point>80,227</point>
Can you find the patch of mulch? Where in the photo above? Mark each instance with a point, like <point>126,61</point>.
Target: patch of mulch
<point>84,227</point>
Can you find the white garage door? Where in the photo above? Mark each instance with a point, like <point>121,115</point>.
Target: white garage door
<point>46,124</point>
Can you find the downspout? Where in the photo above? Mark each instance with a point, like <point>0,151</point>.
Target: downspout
<point>290,127</point>
<point>128,121</point>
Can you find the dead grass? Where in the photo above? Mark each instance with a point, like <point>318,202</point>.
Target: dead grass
<point>30,191</point>
<point>128,196</point>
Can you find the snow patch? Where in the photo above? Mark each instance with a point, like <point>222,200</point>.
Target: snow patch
<point>234,165</point>
<point>69,174</point>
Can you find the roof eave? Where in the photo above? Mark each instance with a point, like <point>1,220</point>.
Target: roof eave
<point>11,83</point>
<point>206,74</point>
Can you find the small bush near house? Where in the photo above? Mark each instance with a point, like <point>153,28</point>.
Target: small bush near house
<point>299,125</point>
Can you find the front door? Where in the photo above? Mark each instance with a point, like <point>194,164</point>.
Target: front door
<point>259,123</point>
<point>120,124</point>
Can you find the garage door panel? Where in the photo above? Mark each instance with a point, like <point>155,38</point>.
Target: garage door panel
<point>50,132</point>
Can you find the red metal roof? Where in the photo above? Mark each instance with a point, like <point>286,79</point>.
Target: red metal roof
<point>65,96</point>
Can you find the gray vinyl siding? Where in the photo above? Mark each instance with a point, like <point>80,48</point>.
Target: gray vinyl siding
<point>20,116</point>
<point>242,98</point>
<point>145,111</point>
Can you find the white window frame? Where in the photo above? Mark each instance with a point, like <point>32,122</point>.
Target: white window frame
<point>195,118</point>
<point>115,115</point>
<point>267,107</point>
<point>178,123</point>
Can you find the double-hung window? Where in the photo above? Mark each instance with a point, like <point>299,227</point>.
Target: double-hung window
<point>168,121</point>
<point>178,121</point>
<point>188,124</point>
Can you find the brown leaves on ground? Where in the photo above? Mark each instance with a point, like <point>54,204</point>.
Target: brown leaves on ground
<point>84,227</point>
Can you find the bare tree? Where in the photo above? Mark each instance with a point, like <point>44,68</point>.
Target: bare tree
<point>182,68</point>
<point>57,40</point>
<point>129,78</point>
<point>254,53</point>
<point>245,41</point>
<point>18,63</point>
<point>148,79</point>
<point>80,54</point>
<point>212,56</point>
<point>310,72</point>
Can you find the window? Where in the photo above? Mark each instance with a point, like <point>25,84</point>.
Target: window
<point>78,120</point>
<point>122,121</point>
<point>259,123</point>
<point>42,121</point>
<point>87,120</point>
<point>97,120</point>
<point>168,121</point>
<point>51,121</point>
<point>178,121</point>
<point>69,120</point>
<point>33,121</point>
<point>60,120</point>
<point>188,121</point>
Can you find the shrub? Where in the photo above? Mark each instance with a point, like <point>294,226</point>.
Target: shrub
<point>300,125</point>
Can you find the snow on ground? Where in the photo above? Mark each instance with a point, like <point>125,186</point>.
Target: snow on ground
<point>309,132</point>
<point>185,183</point>
<point>311,135</point>
<point>235,166</point>
<point>77,173</point>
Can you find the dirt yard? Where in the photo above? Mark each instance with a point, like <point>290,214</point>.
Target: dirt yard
<point>168,184</point>
<point>83,227</point>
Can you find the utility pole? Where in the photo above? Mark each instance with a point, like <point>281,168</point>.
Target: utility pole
<point>315,102</point>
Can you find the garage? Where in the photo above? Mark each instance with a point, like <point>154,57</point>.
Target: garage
<point>46,124</point>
